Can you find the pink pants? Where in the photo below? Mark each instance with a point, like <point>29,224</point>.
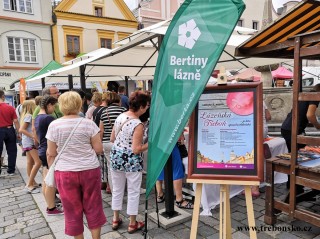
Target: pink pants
<point>80,193</point>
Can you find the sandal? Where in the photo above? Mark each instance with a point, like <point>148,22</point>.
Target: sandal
<point>116,224</point>
<point>37,185</point>
<point>160,199</point>
<point>33,190</point>
<point>189,204</point>
<point>135,227</point>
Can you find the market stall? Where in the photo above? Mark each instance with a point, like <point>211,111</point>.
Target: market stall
<point>299,39</point>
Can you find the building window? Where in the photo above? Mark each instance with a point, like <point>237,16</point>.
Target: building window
<point>73,45</point>
<point>98,11</point>
<point>240,23</point>
<point>22,49</point>
<point>255,25</point>
<point>106,43</point>
<point>18,5</point>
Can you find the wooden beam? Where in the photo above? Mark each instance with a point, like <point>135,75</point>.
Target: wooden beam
<point>312,51</point>
<point>310,96</point>
<point>264,49</point>
<point>309,140</point>
<point>308,183</point>
<point>307,216</point>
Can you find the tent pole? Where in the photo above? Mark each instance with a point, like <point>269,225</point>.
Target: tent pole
<point>43,83</point>
<point>126,79</point>
<point>70,81</point>
<point>82,77</point>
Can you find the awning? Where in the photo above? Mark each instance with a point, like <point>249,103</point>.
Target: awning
<point>277,39</point>
<point>247,74</point>
<point>282,73</point>
<point>137,55</point>
<point>45,71</point>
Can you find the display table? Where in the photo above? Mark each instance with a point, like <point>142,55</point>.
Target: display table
<point>211,193</point>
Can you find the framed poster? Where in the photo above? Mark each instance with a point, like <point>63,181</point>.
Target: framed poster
<point>226,136</point>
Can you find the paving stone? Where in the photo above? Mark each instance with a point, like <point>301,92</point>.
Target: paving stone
<point>3,195</point>
<point>23,236</point>
<point>7,223</point>
<point>111,235</point>
<point>239,216</point>
<point>36,221</point>
<point>9,234</point>
<point>206,231</point>
<point>9,208</point>
<point>25,204</point>
<point>106,229</point>
<point>286,235</point>
<point>13,216</point>
<point>40,232</point>
<point>15,226</point>
<point>35,227</point>
<point>210,221</point>
<point>30,217</point>
<point>240,235</point>
<point>7,213</point>
<point>46,237</point>
<point>176,228</point>
<point>183,234</point>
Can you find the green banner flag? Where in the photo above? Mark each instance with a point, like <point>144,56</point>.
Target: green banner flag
<point>188,54</point>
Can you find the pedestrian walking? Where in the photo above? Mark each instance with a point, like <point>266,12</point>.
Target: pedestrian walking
<point>28,145</point>
<point>8,118</point>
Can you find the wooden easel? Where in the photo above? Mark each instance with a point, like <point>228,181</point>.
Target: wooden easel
<point>225,215</point>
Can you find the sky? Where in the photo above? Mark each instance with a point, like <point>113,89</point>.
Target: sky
<point>278,3</point>
<point>131,3</point>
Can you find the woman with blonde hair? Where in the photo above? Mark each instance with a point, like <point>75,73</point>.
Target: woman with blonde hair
<point>28,145</point>
<point>126,160</point>
<point>96,102</point>
<point>76,142</point>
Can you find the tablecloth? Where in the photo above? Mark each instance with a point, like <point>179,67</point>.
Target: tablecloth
<point>211,192</point>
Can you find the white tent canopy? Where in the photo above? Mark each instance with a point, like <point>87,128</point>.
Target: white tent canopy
<point>137,55</point>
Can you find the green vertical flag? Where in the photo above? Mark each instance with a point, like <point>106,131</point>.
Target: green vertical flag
<point>189,52</point>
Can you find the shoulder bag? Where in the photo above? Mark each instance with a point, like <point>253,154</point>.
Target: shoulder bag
<point>49,179</point>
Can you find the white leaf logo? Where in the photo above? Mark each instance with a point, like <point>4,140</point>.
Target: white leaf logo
<point>188,34</point>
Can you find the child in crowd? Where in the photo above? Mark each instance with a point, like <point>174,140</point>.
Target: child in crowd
<point>42,122</point>
<point>28,145</point>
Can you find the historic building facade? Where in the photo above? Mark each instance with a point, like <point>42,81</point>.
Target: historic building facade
<point>25,38</point>
<point>81,26</point>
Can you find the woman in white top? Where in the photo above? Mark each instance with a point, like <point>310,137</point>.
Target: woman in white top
<point>126,160</point>
<point>77,172</point>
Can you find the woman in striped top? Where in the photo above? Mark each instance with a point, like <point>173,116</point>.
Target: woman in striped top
<point>108,117</point>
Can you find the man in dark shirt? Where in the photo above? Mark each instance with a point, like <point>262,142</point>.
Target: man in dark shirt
<point>124,98</point>
<point>8,117</point>
<point>307,113</point>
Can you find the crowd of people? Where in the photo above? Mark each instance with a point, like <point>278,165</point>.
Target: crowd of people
<point>73,131</point>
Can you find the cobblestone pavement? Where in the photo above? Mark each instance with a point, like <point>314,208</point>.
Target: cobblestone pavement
<point>22,215</point>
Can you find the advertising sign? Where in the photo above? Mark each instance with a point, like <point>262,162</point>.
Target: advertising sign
<point>189,52</point>
<point>22,90</point>
<point>227,133</point>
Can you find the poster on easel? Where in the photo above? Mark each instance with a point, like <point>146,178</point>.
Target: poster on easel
<point>226,133</point>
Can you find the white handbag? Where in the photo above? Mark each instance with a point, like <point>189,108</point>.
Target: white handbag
<point>49,179</point>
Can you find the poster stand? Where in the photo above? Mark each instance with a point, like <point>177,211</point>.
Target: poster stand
<point>225,215</point>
